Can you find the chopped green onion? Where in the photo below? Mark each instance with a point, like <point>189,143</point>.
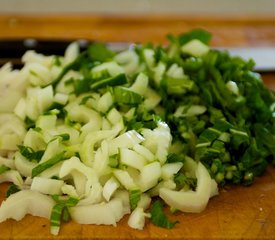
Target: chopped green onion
<point>123,95</point>
<point>64,136</point>
<point>49,163</point>
<point>3,169</point>
<point>173,157</point>
<point>12,189</point>
<point>198,34</point>
<point>30,154</point>
<point>60,212</point>
<point>158,216</point>
<point>134,198</point>
<point>100,52</point>
<point>119,79</point>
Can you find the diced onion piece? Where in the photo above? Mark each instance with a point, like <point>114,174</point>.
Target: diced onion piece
<point>167,184</point>
<point>20,108</point>
<point>195,48</point>
<point>149,176</point>
<point>145,152</point>
<point>71,53</point>
<point>102,159</point>
<point>85,180</point>
<point>12,131</point>
<point>175,71</point>
<point>194,110</point>
<point>233,87</point>
<point>123,195</point>
<point>191,201</point>
<point>12,85</point>
<point>94,195</point>
<point>109,188</point>
<point>164,141</point>
<point>52,171</point>
<point>74,164</point>
<point>11,176</point>
<point>87,148</point>
<point>62,87</point>
<point>61,98</point>
<point>39,75</point>
<point>149,57</point>
<point>34,140</point>
<point>92,126</point>
<point>47,185</point>
<point>82,114</point>
<point>144,201</point>
<point>54,147</point>
<point>152,99</point>
<point>102,213</point>
<point>129,60</point>
<point>45,98</point>
<point>31,56</point>
<point>112,67</point>
<point>69,190</point>
<point>26,202</point>
<point>9,142</point>
<point>169,169</point>
<point>38,101</point>
<point>8,162</point>
<point>137,218</point>
<point>46,122</point>
<point>23,165</point>
<point>140,85</point>
<point>105,102</point>
<point>73,133</point>
<point>114,116</point>
<point>158,141</point>
<point>106,125</point>
<point>131,158</point>
<point>125,179</point>
<point>127,140</point>
<point>79,182</point>
<point>159,71</point>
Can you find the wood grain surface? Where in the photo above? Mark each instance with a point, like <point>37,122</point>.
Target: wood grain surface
<point>237,212</point>
<point>227,30</point>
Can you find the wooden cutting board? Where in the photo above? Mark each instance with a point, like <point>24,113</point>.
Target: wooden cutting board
<point>237,212</point>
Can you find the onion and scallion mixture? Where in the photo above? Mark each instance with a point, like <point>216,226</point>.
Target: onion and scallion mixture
<point>95,135</point>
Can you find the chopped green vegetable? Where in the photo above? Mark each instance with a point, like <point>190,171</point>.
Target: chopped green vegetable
<point>89,84</point>
<point>177,86</point>
<point>113,130</point>
<point>56,216</point>
<point>119,79</point>
<point>123,95</point>
<point>173,157</point>
<point>184,182</point>
<point>234,119</point>
<point>64,136</point>
<point>100,52</point>
<point>3,169</point>
<point>158,216</point>
<point>198,34</point>
<point>134,198</point>
<point>47,164</point>
<point>60,212</point>
<point>12,189</point>
<point>82,61</point>
<point>30,154</point>
<point>29,123</point>
<point>113,161</point>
